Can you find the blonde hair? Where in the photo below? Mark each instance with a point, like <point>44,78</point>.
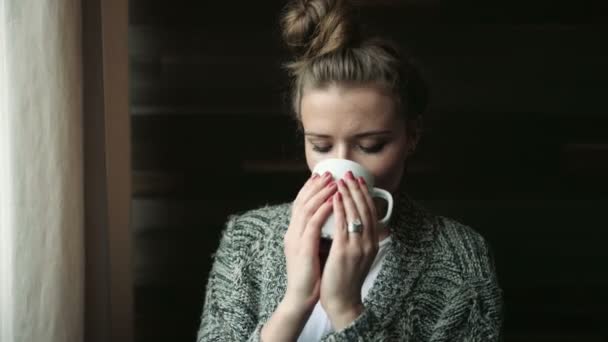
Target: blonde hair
<point>329,48</point>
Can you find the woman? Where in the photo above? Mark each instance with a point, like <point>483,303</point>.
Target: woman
<point>424,278</point>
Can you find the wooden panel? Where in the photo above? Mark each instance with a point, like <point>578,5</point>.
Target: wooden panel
<point>462,155</point>
<point>548,69</point>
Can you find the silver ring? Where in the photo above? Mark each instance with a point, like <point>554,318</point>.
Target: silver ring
<point>355,227</point>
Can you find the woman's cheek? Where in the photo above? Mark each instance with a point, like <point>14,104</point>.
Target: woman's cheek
<point>311,159</point>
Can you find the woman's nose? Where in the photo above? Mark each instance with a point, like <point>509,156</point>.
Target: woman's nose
<point>343,152</point>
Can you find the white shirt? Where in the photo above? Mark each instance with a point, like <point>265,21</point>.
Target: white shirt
<point>318,324</point>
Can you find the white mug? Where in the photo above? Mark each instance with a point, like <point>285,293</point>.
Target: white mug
<point>338,168</point>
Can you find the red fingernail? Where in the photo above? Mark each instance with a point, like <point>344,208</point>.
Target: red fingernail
<point>315,175</point>
<point>326,174</point>
<point>349,175</point>
<point>342,182</point>
<point>362,181</point>
<point>330,184</point>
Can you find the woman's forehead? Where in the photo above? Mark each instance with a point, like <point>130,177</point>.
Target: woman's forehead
<point>349,128</point>
<point>347,106</point>
<point>361,96</point>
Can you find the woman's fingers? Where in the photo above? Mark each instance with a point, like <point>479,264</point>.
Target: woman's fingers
<point>350,256</point>
<point>370,210</point>
<point>312,231</point>
<point>307,184</point>
<point>362,206</point>
<point>315,193</point>
<point>340,236</point>
<point>309,208</point>
<point>308,213</point>
<point>315,183</point>
<point>350,209</point>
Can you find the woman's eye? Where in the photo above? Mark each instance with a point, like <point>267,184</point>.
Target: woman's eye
<point>321,149</point>
<point>373,148</point>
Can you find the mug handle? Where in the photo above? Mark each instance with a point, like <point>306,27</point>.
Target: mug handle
<point>376,192</point>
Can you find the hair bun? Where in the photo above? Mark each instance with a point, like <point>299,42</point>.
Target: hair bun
<point>316,27</point>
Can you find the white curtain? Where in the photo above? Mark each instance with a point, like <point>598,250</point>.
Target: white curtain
<point>41,172</point>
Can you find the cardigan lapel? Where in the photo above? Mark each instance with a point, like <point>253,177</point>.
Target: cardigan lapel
<point>412,232</point>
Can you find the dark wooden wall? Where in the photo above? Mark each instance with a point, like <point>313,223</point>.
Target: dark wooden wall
<point>516,146</point>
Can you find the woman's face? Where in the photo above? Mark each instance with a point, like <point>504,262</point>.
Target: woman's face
<point>359,123</point>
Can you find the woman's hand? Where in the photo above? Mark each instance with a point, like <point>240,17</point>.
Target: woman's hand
<point>309,212</point>
<point>351,254</point>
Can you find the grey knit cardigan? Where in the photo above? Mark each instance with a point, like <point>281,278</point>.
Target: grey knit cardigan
<point>437,282</point>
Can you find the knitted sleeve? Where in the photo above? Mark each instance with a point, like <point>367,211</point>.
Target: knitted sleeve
<point>473,310</point>
<point>473,314</point>
<point>366,327</point>
<point>231,298</point>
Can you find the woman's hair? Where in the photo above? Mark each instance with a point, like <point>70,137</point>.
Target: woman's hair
<point>329,48</point>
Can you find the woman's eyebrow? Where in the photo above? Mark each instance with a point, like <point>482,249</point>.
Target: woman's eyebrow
<point>317,135</point>
<point>358,135</point>
<point>371,133</point>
